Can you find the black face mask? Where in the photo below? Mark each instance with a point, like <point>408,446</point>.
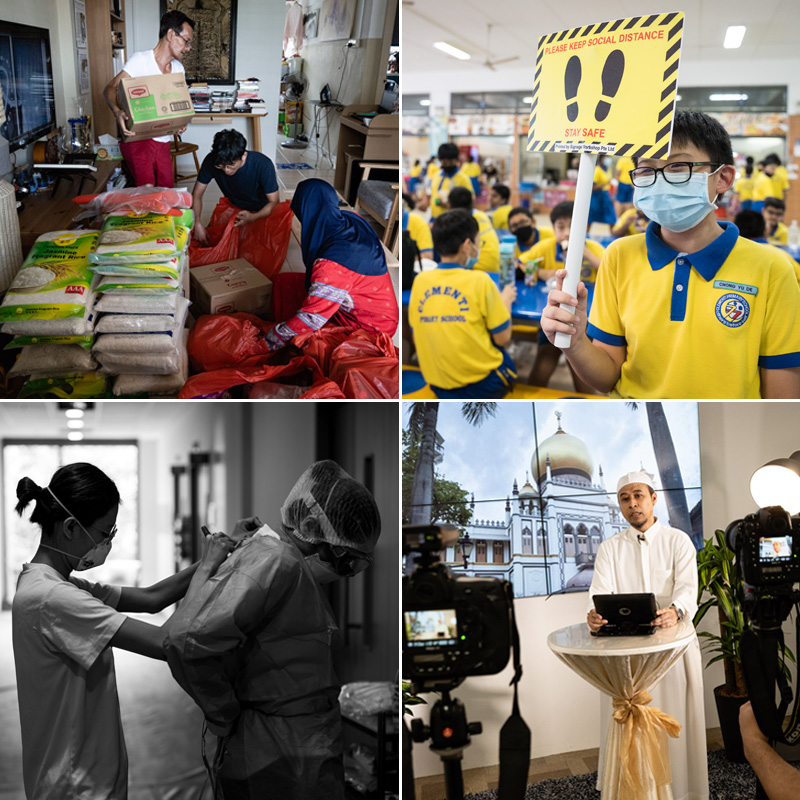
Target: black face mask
<point>524,233</point>
<point>450,171</point>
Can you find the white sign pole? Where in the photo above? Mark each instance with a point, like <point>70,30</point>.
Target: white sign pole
<point>577,236</point>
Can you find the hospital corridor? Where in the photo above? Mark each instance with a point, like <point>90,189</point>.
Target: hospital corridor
<point>236,603</point>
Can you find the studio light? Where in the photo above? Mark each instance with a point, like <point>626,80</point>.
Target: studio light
<point>777,483</point>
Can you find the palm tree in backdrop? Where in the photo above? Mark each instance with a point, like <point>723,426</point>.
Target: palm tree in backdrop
<point>669,470</point>
<point>422,422</point>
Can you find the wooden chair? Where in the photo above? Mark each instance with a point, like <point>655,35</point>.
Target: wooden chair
<point>381,200</point>
<point>181,148</point>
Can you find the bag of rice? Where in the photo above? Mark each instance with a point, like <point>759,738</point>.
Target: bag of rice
<point>166,268</point>
<point>75,326</point>
<point>140,363</point>
<point>136,235</point>
<point>54,281</point>
<point>145,323</point>
<point>128,384</point>
<point>137,303</point>
<point>134,343</point>
<point>70,387</point>
<point>182,234</point>
<point>53,359</point>
<point>23,341</point>
<point>128,284</point>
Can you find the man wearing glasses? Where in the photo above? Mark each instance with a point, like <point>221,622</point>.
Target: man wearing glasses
<point>149,160</point>
<point>688,309</point>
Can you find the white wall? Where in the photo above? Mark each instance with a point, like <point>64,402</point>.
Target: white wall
<point>561,709</point>
<point>259,41</point>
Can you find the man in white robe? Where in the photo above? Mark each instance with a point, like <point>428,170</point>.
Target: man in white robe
<point>651,557</point>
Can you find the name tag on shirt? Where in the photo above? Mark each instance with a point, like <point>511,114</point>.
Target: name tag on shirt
<point>730,286</point>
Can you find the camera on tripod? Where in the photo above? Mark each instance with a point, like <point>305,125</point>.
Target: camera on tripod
<point>767,546</point>
<point>453,627</point>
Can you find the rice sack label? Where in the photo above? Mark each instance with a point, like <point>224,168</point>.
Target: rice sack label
<point>182,237</point>
<point>167,269</point>
<point>54,281</point>
<point>137,234</point>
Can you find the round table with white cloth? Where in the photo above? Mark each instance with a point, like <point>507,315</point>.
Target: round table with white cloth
<point>625,668</point>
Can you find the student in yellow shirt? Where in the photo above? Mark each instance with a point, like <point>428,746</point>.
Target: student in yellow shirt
<point>414,176</point>
<point>417,227</point>
<point>499,206</point>
<point>522,224</point>
<point>473,171</point>
<point>773,211</point>
<point>744,186</point>
<point>601,209</point>
<point>461,320</point>
<point>446,179</point>
<point>551,254</point>
<point>631,222</point>
<point>763,186</point>
<point>780,178</point>
<point>624,199</point>
<point>489,258</point>
<point>691,309</point>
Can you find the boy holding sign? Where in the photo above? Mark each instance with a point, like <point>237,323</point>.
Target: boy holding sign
<point>689,309</point>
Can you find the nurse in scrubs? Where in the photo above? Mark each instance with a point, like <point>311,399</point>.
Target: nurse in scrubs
<point>63,630</point>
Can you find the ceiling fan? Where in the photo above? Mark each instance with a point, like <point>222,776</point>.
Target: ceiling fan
<point>492,63</point>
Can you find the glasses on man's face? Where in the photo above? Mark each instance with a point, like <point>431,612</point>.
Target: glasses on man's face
<point>110,534</point>
<point>675,173</point>
<point>187,42</point>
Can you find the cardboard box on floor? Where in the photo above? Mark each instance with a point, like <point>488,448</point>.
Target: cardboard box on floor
<point>156,105</point>
<point>230,286</point>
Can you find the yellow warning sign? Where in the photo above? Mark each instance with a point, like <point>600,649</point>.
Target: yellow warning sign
<point>608,87</point>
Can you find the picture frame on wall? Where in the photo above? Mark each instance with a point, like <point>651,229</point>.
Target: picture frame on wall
<point>79,7</point>
<point>212,58</point>
<point>336,19</point>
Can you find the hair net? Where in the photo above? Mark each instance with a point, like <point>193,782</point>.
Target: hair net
<point>327,505</point>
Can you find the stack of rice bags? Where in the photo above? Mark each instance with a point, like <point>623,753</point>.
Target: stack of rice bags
<point>140,263</point>
<point>48,310</point>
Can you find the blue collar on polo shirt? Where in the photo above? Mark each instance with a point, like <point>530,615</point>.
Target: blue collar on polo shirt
<point>707,262</point>
<point>450,265</point>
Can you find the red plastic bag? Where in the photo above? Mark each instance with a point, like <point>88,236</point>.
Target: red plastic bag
<point>218,383</point>
<point>141,199</point>
<point>263,243</point>
<point>288,294</point>
<point>366,366</point>
<point>320,344</point>
<point>225,340</point>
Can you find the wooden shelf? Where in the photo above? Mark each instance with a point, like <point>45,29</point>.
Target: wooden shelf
<point>116,18</point>
<point>100,22</point>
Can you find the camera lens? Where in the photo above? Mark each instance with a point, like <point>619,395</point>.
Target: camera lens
<point>733,535</point>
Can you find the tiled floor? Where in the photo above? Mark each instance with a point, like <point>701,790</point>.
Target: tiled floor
<point>579,762</point>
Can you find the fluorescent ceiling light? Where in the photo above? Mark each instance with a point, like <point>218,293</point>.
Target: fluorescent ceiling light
<point>75,423</point>
<point>75,436</point>
<point>527,99</point>
<point>424,102</point>
<point>452,51</point>
<point>734,36</point>
<point>74,413</point>
<point>727,97</point>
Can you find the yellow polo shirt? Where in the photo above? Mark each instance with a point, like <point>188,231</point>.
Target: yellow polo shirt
<point>628,219</point>
<point>696,326</point>
<point>419,230</point>
<point>555,257</point>
<point>781,235</point>
<point>441,186</point>
<point>454,312</point>
<point>780,181</point>
<point>624,165</point>
<point>601,179</point>
<point>471,170</point>
<point>744,186</point>
<point>500,217</point>
<point>764,188</point>
<point>489,258</point>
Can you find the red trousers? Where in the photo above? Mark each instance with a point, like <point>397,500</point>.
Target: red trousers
<point>149,162</point>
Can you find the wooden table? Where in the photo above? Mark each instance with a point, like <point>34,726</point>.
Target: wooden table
<point>53,211</point>
<point>225,118</point>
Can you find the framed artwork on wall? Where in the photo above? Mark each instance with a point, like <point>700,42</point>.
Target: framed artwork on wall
<point>212,58</point>
<point>336,19</point>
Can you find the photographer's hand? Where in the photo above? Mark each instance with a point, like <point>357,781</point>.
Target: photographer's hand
<point>595,621</point>
<point>665,618</point>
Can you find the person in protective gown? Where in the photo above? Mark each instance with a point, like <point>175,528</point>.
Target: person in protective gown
<point>254,648</point>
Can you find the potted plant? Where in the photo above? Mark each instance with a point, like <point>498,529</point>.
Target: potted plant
<point>718,575</point>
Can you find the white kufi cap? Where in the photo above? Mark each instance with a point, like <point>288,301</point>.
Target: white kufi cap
<point>635,477</point>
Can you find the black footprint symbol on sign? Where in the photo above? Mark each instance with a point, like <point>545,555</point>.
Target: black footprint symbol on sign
<point>612,77</point>
<point>572,79</point>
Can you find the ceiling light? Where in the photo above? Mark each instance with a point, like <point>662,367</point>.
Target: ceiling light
<point>75,423</point>
<point>678,98</point>
<point>721,98</point>
<point>75,436</point>
<point>527,99</point>
<point>734,36</point>
<point>424,102</point>
<point>74,413</point>
<point>452,51</point>
<point>777,483</point>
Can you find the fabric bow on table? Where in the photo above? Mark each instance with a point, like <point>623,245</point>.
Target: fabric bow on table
<point>644,728</point>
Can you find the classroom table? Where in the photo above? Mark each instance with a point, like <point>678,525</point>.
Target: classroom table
<point>636,765</point>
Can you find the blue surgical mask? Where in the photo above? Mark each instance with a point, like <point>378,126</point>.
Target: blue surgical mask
<point>471,262</point>
<point>676,207</point>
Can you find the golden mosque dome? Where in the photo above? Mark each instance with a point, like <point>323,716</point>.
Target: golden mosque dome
<point>527,491</point>
<point>567,454</point>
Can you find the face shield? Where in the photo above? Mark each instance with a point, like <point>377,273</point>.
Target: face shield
<point>327,506</point>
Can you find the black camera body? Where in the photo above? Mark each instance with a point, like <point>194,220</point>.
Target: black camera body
<point>767,545</point>
<point>453,627</point>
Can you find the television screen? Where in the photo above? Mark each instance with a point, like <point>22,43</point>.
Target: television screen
<point>26,78</point>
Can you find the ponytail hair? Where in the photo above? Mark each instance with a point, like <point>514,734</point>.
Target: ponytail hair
<point>84,489</point>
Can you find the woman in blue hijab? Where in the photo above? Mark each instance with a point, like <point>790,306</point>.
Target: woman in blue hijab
<point>347,281</point>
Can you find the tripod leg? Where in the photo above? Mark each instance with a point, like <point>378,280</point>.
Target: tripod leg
<point>408,765</point>
<point>453,778</point>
